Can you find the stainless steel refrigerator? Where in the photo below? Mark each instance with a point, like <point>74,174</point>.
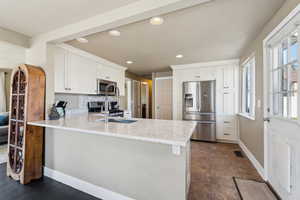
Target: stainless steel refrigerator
<point>199,104</point>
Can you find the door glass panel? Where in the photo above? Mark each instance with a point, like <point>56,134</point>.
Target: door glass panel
<point>275,59</point>
<point>283,78</point>
<point>294,48</point>
<point>284,52</point>
<point>293,78</point>
<point>276,85</point>
<point>276,104</point>
<point>284,71</point>
<point>283,104</point>
<point>294,105</point>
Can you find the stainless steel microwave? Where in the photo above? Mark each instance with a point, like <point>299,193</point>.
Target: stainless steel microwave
<point>103,89</point>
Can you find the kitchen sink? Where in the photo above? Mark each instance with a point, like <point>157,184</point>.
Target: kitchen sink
<point>124,121</point>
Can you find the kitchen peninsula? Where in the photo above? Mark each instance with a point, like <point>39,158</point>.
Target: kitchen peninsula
<point>145,160</point>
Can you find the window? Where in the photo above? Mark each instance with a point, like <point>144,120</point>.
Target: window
<point>285,77</point>
<point>248,88</point>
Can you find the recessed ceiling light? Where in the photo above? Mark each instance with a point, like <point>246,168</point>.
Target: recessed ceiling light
<point>114,33</point>
<point>179,56</point>
<point>82,40</point>
<point>156,20</point>
<point>129,62</point>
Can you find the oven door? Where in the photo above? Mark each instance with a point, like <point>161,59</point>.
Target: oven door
<point>103,90</point>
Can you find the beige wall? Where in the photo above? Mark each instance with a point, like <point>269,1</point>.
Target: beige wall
<point>7,85</point>
<point>251,132</point>
<point>14,37</point>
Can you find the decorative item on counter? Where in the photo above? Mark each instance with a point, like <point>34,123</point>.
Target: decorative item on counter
<point>54,115</point>
<point>61,107</point>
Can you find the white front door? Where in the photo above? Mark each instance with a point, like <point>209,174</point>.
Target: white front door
<point>282,103</point>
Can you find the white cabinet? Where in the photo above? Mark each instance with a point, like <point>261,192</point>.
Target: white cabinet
<point>81,74</point>
<point>78,74</point>
<point>60,64</point>
<point>228,127</point>
<point>229,77</point>
<point>112,74</point>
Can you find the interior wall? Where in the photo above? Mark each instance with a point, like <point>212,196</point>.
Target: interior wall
<point>150,84</point>
<point>7,85</point>
<point>14,37</point>
<point>157,75</point>
<point>11,55</point>
<point>252,131</point>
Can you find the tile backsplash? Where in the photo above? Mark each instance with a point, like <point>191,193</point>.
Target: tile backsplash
<point>79,101</point>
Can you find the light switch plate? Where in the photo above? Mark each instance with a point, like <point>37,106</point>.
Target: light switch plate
<point>258,103</point>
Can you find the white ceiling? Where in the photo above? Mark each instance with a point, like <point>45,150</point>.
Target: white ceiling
<point>33,17</point>
<point>213,31</point>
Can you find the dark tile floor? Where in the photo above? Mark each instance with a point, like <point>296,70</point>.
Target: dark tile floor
<point>44,189</point>
<point>213,166</point>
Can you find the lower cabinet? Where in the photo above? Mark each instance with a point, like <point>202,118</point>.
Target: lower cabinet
<point>227,128</point>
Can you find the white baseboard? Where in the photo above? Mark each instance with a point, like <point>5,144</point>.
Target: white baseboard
<point>228,141</point>
<point>84,186</point>
<point>253,160</point>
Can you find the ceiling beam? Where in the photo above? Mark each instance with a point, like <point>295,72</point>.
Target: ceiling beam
<point>14,38</point>
<point>131,13</point>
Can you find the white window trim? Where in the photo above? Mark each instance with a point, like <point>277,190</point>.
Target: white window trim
<point>279,38</point>
<point>242,113</point>
<point>247,116</point>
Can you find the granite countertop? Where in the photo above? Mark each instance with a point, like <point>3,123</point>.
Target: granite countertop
<point>171,132</point>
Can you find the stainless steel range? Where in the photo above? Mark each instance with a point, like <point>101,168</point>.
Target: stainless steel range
<point>199,104</point>
<point>99,106</point>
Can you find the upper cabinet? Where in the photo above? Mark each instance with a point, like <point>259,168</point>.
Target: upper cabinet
<point>112,74</point>
<point>228,77</point>
<point>78,74</point>
<point>60,60</point>
<point>81,74</point>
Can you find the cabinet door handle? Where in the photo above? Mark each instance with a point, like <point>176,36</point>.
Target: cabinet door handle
<point>226,87</point>
<point>227,134</point>
<point>226,122</point>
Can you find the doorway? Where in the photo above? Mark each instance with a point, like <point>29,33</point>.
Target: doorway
<point>137,95</point>
<point>145,100</point>
<point>163,98</point>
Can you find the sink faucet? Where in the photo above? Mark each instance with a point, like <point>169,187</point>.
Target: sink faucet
<point>106,109</point>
